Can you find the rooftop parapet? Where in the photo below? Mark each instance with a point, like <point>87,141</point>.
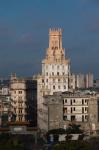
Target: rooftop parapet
<point>55,31</point>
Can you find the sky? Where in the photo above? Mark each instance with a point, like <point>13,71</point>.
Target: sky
<point>24,28</point>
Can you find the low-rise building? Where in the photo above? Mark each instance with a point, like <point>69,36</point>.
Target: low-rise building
<point>52,113</point>
<point>60,109</point>
<point>5,109</point>
<point>75,107</point>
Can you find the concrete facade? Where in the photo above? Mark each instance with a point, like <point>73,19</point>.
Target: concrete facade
<point>18,96</point>
<point>24,99</point>
<point>81,81</point>
<point>75,107</point>
<point>52,113</point>
<point>60,109</point>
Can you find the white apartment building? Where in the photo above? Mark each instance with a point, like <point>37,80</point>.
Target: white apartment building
<point>75,107</point>
<point>89,80</point>
<point>80,80</point>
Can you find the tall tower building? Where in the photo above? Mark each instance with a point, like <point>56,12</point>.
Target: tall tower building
<point>55,68</point>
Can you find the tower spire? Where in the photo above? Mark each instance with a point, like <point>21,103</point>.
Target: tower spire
<point>55,52</point>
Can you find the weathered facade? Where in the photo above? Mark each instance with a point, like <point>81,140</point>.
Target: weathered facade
<point>24,99</point>
<point>52,113</point>
<point>60,109</point>
<point>75,107</point>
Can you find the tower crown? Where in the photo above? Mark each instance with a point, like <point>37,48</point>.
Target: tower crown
<point>55,31</point>
<point>55,52</point>
<point>55,38</point>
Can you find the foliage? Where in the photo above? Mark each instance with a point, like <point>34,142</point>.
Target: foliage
<point>15,142</point>
<point>56,131</point>
<point>74,129</point>
<point>68,137</point>
<point>73,145</point>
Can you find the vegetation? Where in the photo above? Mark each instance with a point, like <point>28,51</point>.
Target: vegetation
<point>15,142</point>
<point>73,145</point>
<point>72,129</point>
<point>91,144</point>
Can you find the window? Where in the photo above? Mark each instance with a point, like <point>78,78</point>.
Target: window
<point>74,108</point>
<point>65,110</point>
<point>47,73</point>
<point>58,73</point>
<point>42,80</point>
<point>14,102</point>
<point>20,92</point>
<point>53,73</point>
<point>74,100</point>
<point>65,100</point>
<point>64,87</point>
<point>86,101</point>
<point>63,73</point>
<point>53,86</point>
<point>71,101</point>
<point>82,109</point>
<point>58,80</point>
<point>46,80</point>
<point>71,109</point>
<point>82,118</point>
<point>86,108</point>
<point>82,101</point>
<point>86,117</point>
<point>72,118</point>
<point>56,47</point>
<point>64,117</point>
<point>14,92</point>
<point>20,111</point>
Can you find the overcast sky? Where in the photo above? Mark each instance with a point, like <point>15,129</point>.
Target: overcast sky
<point>24,27</point>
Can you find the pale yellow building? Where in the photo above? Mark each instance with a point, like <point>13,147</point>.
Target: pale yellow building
<point>18,98</point>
